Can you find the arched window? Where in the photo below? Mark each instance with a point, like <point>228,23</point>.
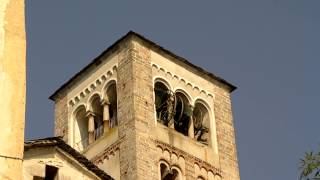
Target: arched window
<point>81,128</point>
<point>183,113</point>
<point>167,173</point>
<point>201,123</point>
<point>111,96</point>
<point>97,111</point>
<point>200,178</point>
<point>164,103</point>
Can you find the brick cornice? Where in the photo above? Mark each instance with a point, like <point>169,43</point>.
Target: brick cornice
<point>187,156</point>
<point>109,151</point>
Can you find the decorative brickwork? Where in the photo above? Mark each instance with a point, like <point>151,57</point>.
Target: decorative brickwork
<point>110,151</point>
<point>189,158</point>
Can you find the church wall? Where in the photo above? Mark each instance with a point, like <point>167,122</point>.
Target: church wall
<point>61,117</point>
<point>222,153</point>
<point>140,143</point>
<point>67,102</point>
<point>196,86</point>
<point>109,161</point>
<point>226,135</point>
<point>136,113</point>
<point>101,144</point>
<point>35,161</point>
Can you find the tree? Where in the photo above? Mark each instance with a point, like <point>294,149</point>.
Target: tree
<point>310,166</point>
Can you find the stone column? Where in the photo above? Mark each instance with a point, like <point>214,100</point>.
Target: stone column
<point>106,116</point>
<point>170,110</point>
<point>12,87</point>
<point>191,125</point>
<point>90,116</point>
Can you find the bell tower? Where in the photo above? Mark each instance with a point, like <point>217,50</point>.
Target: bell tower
<point>138,111</point>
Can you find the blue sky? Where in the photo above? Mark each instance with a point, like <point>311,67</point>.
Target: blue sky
<point>269,49</point>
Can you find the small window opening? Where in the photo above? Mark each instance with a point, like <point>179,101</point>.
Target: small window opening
<point>167,173</point>
<point>38,178</point>
<point>201,123</point>
<point>51,173</point>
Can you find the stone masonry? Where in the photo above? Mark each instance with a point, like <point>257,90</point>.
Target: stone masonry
<point>135,109</point>
<point>61,116</point>
<point>143,143</point>
<point>226,134</point>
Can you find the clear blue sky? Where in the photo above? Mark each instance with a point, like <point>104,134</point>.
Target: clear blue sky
<point>269,49</point>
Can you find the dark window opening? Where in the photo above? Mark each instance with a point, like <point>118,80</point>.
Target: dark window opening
<point>97,110</point>
<point>38,178</point>
<point>51,173</point>
<point>183,112</point>
<point>201,123</point>
<point>167,173</point>
<point>164,102</point>
<point>112,98</point>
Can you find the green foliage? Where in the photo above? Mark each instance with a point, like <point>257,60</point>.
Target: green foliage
<point>310,166</point>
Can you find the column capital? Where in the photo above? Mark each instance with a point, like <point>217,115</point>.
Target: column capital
<point>105,102</point>
<point>90,113</point>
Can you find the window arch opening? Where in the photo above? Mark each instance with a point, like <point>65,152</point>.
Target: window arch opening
<point>183,113</point>
<point>81,130</point>
<point>201,123</point>
<point>112,104</point>
<point>168,173</point>
<point>97,111</point>
<point>164,102</point>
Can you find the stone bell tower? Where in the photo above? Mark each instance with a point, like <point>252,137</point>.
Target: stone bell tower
<point>138,111</point>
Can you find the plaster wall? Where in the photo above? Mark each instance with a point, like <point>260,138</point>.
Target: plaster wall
<point>12,87</point>
<point>101,144</point>
<point>111,165</point>
<point>35,161</point>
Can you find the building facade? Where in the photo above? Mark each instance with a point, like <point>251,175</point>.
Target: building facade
<point>138,111</point>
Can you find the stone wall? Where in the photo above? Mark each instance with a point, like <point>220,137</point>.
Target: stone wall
<point>12,87</point>
<point>226,134</point>
<point>61,116</point>
<point>136,113</point>
<point>36,160</point>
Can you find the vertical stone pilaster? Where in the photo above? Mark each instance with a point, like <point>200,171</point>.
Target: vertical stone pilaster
<point>136,116</point>
<point>226,135</point>
<point>61,116</point>
<point>12,87</point>
<point>190,171</point>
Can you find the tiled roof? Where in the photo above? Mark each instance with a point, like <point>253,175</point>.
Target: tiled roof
<point>154,46</point>
<point>58,142</point>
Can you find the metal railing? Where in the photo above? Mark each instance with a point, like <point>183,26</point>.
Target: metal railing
<point>84,142</point>
<point>98,132</point>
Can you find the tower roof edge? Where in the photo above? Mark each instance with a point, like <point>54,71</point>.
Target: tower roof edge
<point>152,45</point>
